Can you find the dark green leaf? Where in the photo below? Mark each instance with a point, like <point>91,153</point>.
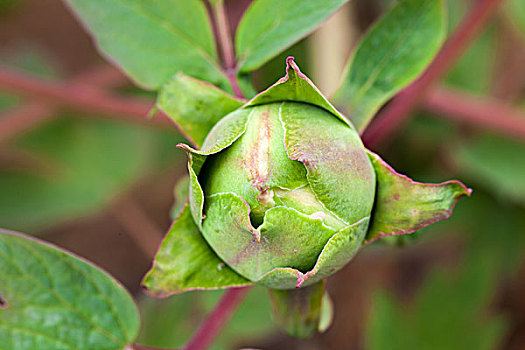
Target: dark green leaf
<point>270,26</point>
<point>495,162</point>
<point>448,313</point>
<point>153,40</point>
<point>56,301</point>
<point>74,166</point>
<point>395,51</point>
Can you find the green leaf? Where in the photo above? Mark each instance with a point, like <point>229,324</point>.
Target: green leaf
<point>516,12</point>
<point>495,162</point>
<point>270,26</point>
<point>186,262</point>
<point>449,312</point>
<point>74,166</point>
<point>56,301</point>
<point>153,40</point>
<point>403,206</point>
<point>391,55</point>
<point>298,311</point>
<point>195,106</point>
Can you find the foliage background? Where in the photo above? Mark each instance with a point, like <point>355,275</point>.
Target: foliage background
<point>104,189</point>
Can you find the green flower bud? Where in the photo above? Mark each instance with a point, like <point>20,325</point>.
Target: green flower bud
<point>282,193</point>
<point>273,197</point>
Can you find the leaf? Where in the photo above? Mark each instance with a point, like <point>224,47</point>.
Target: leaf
<point>516,12</point>
<point>495,162</point>
<point>403,206</point>
<point>56,301</point>
<point>195,106</point>
<point>74,166</point>
<point>447,313</point>
<point>153,40</point>
<point>390,56</point>
<point>270,26</point>
<point>186,262</point>
<point>298,311</point>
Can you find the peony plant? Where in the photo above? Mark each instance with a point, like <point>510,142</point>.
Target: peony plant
<point>282,193</point>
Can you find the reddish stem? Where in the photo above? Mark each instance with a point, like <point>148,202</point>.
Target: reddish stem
<point>23,118</point>
<point>224,35</point>
<point>398,111</point>
<point>479,112</point>
<point>79,97</point>
<point>217,319</point>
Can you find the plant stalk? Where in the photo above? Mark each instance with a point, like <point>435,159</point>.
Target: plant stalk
<point>217,319</point>
<point>79,97</point>
<point>478,112</point>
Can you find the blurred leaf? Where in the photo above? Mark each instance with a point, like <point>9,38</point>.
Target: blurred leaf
<point>447,313</point>
<point>71,167</point>
<point>270,26</point>
<point>393,53</point>
<point>195,106</point>
<point>169,323</point>
<point>495,162</point>
<point>58,301</point>
<point>474,70</point>
<point>516,12</point>
<point>153,40</point>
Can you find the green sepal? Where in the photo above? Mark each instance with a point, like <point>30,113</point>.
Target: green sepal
<point>185,262</point>
<point>296,87</point>
<point>195,106</point>
<point>339,250</point>
<point>231,128</point>
<point>285,238</point>
<point>52,299</point>
<point>301,312</point>
<point>403,206</point>
<point>181,191</point>
<point>338,169</point>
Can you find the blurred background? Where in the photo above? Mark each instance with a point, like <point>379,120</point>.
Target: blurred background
<point>102,186</point>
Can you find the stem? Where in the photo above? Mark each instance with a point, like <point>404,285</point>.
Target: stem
<point>26,117</point>
<point>225,38</point>
<point>226,46</point>
<point>484,113</point>
<point>399,110</point>
<point>80,97</point>
<point>217,319</point>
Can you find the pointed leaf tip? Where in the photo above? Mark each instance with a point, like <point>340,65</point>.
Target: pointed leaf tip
<point>403,206</point>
